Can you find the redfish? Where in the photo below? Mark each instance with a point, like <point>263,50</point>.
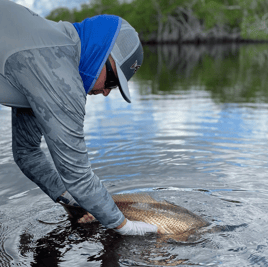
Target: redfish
<point>177,222</point>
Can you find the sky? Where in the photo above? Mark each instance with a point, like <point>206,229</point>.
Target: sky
<point>43,7</point>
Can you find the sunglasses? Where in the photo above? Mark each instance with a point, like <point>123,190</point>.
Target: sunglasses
<point>111,80</point>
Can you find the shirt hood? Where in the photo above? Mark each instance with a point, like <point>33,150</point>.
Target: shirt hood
<point>97,35</point>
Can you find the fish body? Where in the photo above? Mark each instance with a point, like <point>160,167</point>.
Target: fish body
<point>173,219</point>
<point>177,222</point>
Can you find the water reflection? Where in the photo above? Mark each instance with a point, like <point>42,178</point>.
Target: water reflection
<point>70,244</point>
<point>230,73</point>
<point>197,126</point>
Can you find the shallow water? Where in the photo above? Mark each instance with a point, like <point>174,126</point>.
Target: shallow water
<point>195,135</point>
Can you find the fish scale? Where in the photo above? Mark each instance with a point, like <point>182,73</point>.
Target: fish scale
<point>177,221</point>
<point>172,218</point>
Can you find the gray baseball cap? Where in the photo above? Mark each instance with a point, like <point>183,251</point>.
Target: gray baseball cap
<point>127,53</point>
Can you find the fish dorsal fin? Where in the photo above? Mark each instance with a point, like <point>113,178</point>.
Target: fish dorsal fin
<point>139,198</point>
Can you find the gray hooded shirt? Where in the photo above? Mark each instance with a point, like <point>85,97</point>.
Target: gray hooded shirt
<point>39,62</point>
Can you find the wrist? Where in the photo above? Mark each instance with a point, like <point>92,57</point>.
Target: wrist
<point>122,224</point>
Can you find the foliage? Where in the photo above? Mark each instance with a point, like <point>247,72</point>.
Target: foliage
<point>61,14</point>
<point>229,73</point>
<point>181,20</point>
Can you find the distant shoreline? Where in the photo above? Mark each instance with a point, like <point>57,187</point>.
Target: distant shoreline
<point>208,42</point>
<point>182,21</point>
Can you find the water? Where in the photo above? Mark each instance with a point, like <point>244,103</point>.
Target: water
<point>195,134</point>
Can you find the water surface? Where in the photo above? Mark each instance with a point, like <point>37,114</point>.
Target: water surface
<point>195,134</point>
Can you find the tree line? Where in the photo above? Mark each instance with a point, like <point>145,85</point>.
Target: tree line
<point>182,21</point>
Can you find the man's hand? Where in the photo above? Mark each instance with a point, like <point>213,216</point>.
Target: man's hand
<point>137,228</point>
<point>86,218</point>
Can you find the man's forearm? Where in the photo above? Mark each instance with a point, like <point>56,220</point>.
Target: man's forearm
<point>122,224</point>
<point>26,139</point>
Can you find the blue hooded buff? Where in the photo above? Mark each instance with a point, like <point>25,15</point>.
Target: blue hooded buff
<point>97,35</point>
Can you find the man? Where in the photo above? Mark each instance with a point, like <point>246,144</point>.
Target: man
<point>46,71</point>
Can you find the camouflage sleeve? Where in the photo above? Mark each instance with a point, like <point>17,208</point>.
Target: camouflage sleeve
<point>32,161</point>
<point>50,80</point>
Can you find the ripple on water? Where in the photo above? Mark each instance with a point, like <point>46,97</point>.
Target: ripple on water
<point>207,156</point>
<point>27,241</point>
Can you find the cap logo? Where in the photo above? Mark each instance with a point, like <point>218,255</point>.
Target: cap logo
<point>135,66</point>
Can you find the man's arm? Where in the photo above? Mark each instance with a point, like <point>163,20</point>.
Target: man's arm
<point>26,139</point>
<point>50,80</point>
